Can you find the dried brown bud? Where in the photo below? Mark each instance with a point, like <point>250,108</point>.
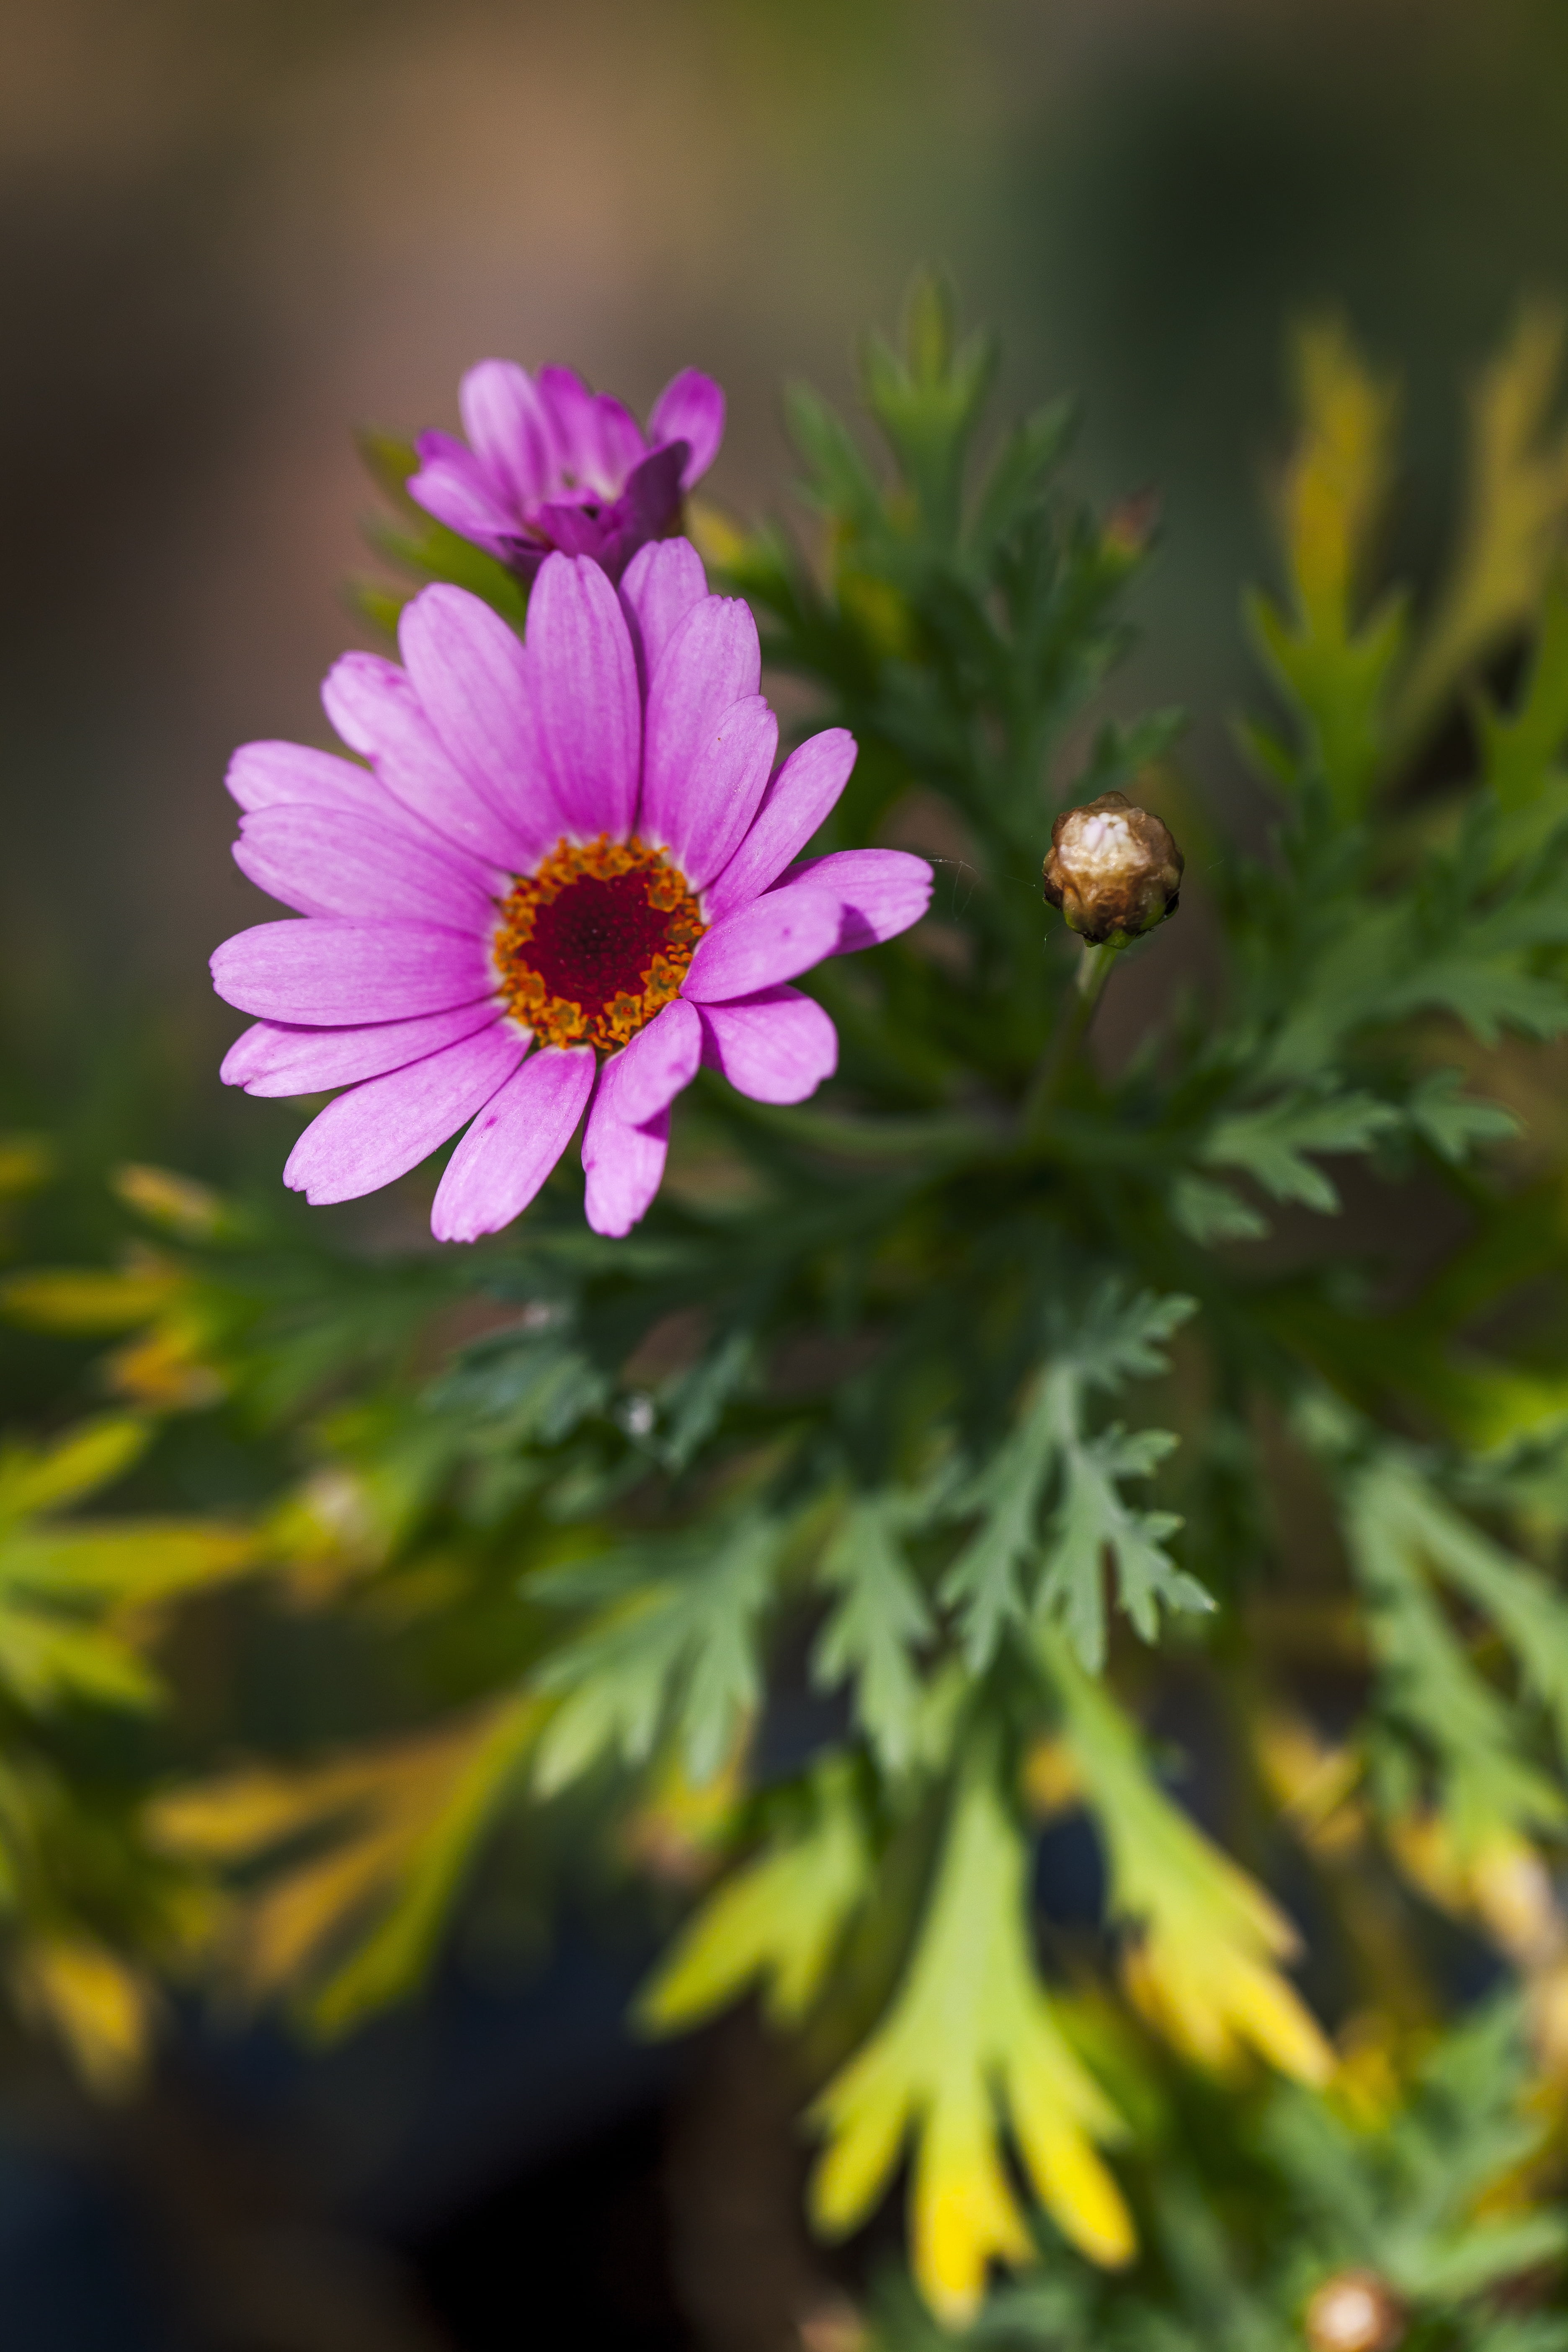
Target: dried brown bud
<point>1354,2311</point>
<point>1114,870</point>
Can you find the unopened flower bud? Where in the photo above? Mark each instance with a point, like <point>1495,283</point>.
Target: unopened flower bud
<point>1354,2311</point>
<point>1114,870</point>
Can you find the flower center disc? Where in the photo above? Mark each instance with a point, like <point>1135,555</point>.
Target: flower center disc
<point>595,941</point>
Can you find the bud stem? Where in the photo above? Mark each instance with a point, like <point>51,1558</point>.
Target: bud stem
<point>1094,972</point>
<point>1073,1023</point>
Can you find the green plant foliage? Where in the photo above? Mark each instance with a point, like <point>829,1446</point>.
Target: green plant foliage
<point>1093,1522</point>
<point>1236,2263</point>
<point>1012,1396</point>
<point>776,1921</point>
<point>675,1632</point>
<point>970,2027</point>
<point>63,1581</point>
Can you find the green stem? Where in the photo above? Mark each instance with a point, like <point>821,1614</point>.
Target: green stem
<point>1073,1023</point>
<point>879,1138</point>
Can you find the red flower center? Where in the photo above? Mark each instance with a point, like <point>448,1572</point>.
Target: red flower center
<point>597,940</point>
<point>595,943</point>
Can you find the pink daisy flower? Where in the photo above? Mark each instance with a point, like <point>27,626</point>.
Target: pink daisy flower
<point>561,883</point>
<point>551,464</point>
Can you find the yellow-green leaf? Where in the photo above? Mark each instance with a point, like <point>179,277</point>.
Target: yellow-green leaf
<point>776,1922</point>
<point>87,1457</point>
<point>97,2007</point>
<point>86,1299</point>
<point>1204,1964</point>
<point>970,2038</point>
<point>1513,529</point>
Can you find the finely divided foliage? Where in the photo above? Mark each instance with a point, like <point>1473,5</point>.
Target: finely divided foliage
<point>824,1519</point>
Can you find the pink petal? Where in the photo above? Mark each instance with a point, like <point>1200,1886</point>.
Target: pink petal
<point>584,683</point>
<point>645,1077</point>
<point>378,1131</point>
<point>776,1046</point>
<point>726,780</point>
<point>374,706</point>
<point>691,408</point>
<point>272,1058</point>
<point>263,774</point>
<point>507,423</point>
<point>456,487</point>
<point>800,799</point>
<point>643,511</point>
<point>624,1166</point>
<point>660,585</point>
<point>880,891</point>
<point>774,938</point>
<point>512,1145</point>
<point>621,446</point>
<point>336,973</point>
<point>337,862</point>
<point>712,660</point>
<point>468,670</point>
<point>598,443</point>
<point>575,530</point>
<point>569,404</point>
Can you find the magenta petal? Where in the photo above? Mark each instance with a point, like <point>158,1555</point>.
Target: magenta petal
<point>776,1046</point>
<point>571,407</point>
<point>775,938</point>
<point>597,442</point>
<point>374,706</point>
<point>454,487</point>
<point>574,417</point>
<point>260,775</point>
<point>512,1145</point>
<point>468,671</point>
<point>273,1058</point>
<point>725,781</point>
<point>801,797</point>
<point>624,1165</point>
<point>691,408</point>
<point>337,862</point>
<point>645,509</point>
<point>620,444</point>
<point>712,659</point>
<point>378,1131</point>
<point>335,973</point>
<point>645,1077</point>
<point>507,423</point>
<point>573,530</point>
<point>881,892</point>
<point>584,683</point>
<point>660,585</point>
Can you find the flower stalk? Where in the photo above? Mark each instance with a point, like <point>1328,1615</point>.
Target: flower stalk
<point>1115,873</point>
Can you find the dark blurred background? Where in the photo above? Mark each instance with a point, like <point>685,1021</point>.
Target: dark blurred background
<point>230,230</point>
